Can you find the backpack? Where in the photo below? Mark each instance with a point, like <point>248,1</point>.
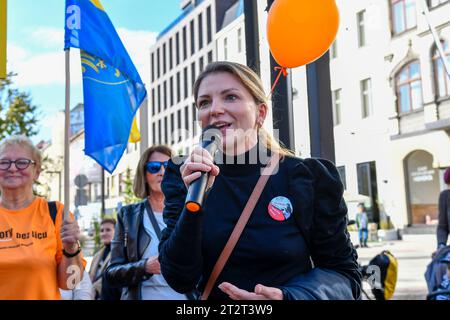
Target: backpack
<point>388,266</point>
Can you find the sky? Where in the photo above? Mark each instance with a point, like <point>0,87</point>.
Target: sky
<point>35,41</point>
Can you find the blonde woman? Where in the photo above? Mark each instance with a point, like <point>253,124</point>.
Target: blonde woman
<point>295,244</point>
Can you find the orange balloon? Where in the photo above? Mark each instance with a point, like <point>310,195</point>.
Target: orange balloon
<point>301,31</point>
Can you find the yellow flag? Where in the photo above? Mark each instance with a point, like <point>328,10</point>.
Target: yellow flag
<point>2,39</point>
<point>135,135</point>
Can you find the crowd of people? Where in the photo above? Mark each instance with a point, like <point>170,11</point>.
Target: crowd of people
<point>293,245</point>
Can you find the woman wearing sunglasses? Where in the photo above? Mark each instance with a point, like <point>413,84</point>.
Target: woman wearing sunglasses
<point>134,249</point>
<point>39,250</point>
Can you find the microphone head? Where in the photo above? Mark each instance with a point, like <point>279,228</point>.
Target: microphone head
<point>211,133</point>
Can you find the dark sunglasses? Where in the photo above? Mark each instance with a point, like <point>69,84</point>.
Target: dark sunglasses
<point>155,166</point>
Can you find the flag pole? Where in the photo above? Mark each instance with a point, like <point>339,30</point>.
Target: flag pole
<point>66,138</point>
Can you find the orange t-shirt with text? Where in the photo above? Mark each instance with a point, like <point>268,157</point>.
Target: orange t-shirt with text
<point>30,251</point>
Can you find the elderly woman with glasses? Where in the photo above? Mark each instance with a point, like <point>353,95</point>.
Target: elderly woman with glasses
<point>39,250</point>
<point>134,262</point>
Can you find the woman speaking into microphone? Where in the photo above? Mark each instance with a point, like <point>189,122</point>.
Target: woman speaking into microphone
<point>271,225</point>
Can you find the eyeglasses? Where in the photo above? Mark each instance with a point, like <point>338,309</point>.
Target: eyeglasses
<point>155,166</point>
<point>21,164</point>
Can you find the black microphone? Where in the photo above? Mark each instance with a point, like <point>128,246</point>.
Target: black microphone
<point>210,140</point>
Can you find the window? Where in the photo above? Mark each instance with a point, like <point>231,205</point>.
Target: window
<point>170,54</point>
<point>159,132</point>
<point>177,48</point>
<point>239,38</point>
<point>435,3</point>
<point>194,119</point>
<point>184,43</point>
<point>361,20</point>
<point>166,131</point>
<point>210,56</point>
<point>403,15</point>
<point>337,107</point>
<point>334,50</point>
<point>178,87</point>
<point>179,125</point>
<point>153,102</point>
<point>193,73</point>
<point>409,88</point>
<point>107,187</point>
<point>341,171</point>
<point>366,98</point>
<point>153,66</point>
<point>165,94</point>
<point>186,119</point>
<point>185,76</point>
<point>164,58</point>
<point>171,90</point>
<point>225,48</point>
<point>172,128</point>
<point>158,67</point>
<point>192,37</point>
<point>121,184</point>
<point>200,64</point>
<point>200,31</point>
<point>441,81</point>
<point>208,24</point>
<point>159,98</point>
<point>153,133</point>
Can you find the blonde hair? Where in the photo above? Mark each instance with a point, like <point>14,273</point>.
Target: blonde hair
<point>140,186</point>
<point>23,141</point>
<point>253,84</point>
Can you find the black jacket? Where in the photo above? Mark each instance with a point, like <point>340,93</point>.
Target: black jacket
<point>443,228</point>
<point>127,268</point>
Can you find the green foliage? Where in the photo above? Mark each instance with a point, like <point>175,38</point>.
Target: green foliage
<point>97,239</point>
<point>129,193</point>
<point>17,113</point>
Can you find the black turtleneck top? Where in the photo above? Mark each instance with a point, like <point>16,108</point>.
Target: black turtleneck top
<point>308,255</point>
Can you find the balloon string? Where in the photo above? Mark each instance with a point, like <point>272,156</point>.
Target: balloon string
<point>283,71</point>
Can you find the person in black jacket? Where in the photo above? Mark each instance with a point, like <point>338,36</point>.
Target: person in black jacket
<point>295,244</point>
<point>443,228</point>
<point>134,261</point>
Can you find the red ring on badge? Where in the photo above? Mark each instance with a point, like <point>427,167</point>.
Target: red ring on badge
<point>275,213</point>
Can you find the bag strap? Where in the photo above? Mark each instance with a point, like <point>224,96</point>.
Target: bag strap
<point>151,215</point>
<point>240,225</point>
<point>53,210</point>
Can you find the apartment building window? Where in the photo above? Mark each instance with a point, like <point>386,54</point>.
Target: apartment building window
<point>153,66</point>
<point>170,54</point>
<point>159,98</point>
<point>193,73</point>
<point>409,88</point>
<point>153,133</point>
<point>341,171</point>
<point>159,132</point>
<point>177,48</point>
<point>403,15</point>
<point>164,53</point>
<point>194,118</point>
<point>225,48</point>
<point>107,187</point>
<point>178,87</point>
<point>200,31</point>
<point>208,24</point>
<point>171,90</point>
<point>337,107</point>
<point>239,38</point>
<point>435,3</point>
<point>200,64</point>
<point>210,56</point>
<point>153,102</point>
<point>185,77</point>
<point>366,98</point>
<point>158,66</point>
<point>184,43</point>
<point>172,128</point>
<point>186,119</point>
<point>192,37</point>
<point>179,125</point>
<point>334,50</point>
<point>361,21</point>
<point>441,81</point>
<point>165,94</point>
<point>166,131</point>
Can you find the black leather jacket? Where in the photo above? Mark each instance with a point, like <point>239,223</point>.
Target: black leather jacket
<point>127,267</point>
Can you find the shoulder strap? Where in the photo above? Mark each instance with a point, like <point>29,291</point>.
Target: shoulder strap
<point>53,210</point>
<point>240,225</point>
<point>151,215</point>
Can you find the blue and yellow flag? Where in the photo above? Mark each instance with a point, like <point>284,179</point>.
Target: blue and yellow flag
<point>112,87</point>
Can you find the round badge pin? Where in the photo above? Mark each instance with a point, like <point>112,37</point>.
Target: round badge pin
<point>280,208</point>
